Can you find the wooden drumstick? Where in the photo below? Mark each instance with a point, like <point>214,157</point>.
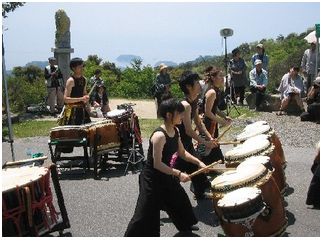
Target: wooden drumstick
<point>94,85</point>
<point>229,142</point>
<point>224,132</point>
<point>204,169</point>
<point>19,162</point>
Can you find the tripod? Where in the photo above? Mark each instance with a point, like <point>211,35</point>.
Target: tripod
<point>135,156</point>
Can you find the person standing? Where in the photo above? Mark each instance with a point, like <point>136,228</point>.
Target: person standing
<point>75,96</point>
<point>55,86</point>
<point>258,82</point>
<point>189,84</point>
<point>159,184</point>
<point>308,65</point>
<point>260,55</point>
<point>99,100</point>
<point>162,85</point>
<point>237,69</point>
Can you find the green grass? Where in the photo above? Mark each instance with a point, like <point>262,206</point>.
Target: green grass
<point>33,128</point>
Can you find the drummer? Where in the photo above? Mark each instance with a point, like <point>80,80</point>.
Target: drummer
<point>189,84</point>
<point>212,114</point>
<point>76,99</point>
<point>159,184</point>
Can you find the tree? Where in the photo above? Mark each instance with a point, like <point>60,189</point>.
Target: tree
<point>10,7</point>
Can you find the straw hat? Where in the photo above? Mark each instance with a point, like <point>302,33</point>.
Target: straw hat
<point>162,67</point>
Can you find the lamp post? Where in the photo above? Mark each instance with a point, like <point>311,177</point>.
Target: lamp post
<point>226,32</point>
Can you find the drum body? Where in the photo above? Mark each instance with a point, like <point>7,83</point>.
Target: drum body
<point>262,127</point>
<point>254,146</point>
<point>119,115</point>
<point>69,132</point>
<point>27,202</point>
<point>107,135</point>
<point>242,206</point>
<point>272,221</point>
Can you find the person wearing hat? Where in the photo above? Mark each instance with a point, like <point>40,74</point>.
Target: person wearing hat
<point>162,85</point>
<point>291,88</point>
<point>99,100</point>
<point>189,84</point>
<point>261,55</point>
<point>308,65</point>
<point>313,103</point>
<point>237,69</point>
<point>55,86</point>
<point>258,82</point>
<point>75,96</point>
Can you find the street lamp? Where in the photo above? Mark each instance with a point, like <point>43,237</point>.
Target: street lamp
<point>226,32</point>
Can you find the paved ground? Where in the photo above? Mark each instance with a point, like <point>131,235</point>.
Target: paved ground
<point>104,207</point>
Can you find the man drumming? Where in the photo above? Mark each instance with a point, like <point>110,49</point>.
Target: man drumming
<point>190,86</point>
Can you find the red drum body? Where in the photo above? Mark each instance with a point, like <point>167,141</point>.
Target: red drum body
<point>255,146</point>
<point>27,201</point>
<point>270,222</point>
<point>262,127</point>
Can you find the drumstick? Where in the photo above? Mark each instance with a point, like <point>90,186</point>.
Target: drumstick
<point>229,142</point>
<point>224,132</point>
<point>94,85</point>
<point>204,169</point>
<point>18,162</point>
<point>222,169</point>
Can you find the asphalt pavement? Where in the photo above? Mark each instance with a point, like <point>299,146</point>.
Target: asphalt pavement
<point>103,208</point>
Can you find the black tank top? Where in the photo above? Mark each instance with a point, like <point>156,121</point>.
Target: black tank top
<point>187,140</point>
<point>170,147</point>
<point>78,89</point>
<point>207,120</point>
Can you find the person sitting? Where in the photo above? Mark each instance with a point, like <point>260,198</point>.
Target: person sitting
<point>313,103</point>
<point>258,82</point>
<point>291,88</point>
<point>99,100</point>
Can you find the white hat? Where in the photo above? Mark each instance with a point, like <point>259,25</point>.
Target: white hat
<point>258,61</point>
<point>162,66</point>
<point>260,46</point>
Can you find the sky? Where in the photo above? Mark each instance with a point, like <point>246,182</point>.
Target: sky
<point>163,31</point>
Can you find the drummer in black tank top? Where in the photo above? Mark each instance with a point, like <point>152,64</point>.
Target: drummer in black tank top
<point>159,184</point>
<point>75,96</point>
<point>189,84</point>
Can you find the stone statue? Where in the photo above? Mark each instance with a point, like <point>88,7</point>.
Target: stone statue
<point>63,34</point>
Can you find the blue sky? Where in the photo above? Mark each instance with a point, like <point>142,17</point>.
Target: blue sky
<point>176,32</point>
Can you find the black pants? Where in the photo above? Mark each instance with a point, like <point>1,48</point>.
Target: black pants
<point>238,92</point>
<point>313,194</point>
<point>260,94</point>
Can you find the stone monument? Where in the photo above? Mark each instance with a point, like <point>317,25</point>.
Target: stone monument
<point>63,50</point>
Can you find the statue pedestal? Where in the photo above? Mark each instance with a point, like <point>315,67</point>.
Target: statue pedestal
<point>63,57</point>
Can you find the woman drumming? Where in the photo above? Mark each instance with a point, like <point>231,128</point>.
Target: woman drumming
<point>159,184</point>
<point>75,96</point>
<point>212,114</point>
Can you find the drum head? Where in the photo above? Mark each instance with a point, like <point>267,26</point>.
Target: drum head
<point>260,159</point>
<point>116,113</point>
<point>239,196</point>
<point>231,179</point>
<point>255,124</point>
<point>250,147</point>
<point>18,177</point>
<point>253,131</point>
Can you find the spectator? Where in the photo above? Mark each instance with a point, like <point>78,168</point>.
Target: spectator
<point>313,194</point>
<point>308,65</point>
<point>237,67</point>
<point>261,55</point>
<point>162,85</point>
<point>258,82</point>
<point>291,88</point>
<point>204,86</point>
<point>96,78</point>
<point>313,103</point>
<point>55,86</point>
<point>100,99</point>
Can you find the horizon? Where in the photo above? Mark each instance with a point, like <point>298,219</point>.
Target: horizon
<point>176,32</point>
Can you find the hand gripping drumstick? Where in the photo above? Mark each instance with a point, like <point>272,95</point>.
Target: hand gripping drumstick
<point>204,169</point>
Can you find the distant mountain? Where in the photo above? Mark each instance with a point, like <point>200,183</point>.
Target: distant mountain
<point>127,58</point>
<point>40,64</point>
<point>167,63</point>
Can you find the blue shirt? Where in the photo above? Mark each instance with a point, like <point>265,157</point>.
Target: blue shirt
<point>264,58</point>
<point>258,79</point>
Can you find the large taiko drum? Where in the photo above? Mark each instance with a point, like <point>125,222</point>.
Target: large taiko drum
<point>69,132</point>
<point>27,201</point>
<point>242,207</point>
<point>106,133</point>
<point>119,115</point>
<point>254,146</point>
<point>262,127</point>
<point>272,220</point>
